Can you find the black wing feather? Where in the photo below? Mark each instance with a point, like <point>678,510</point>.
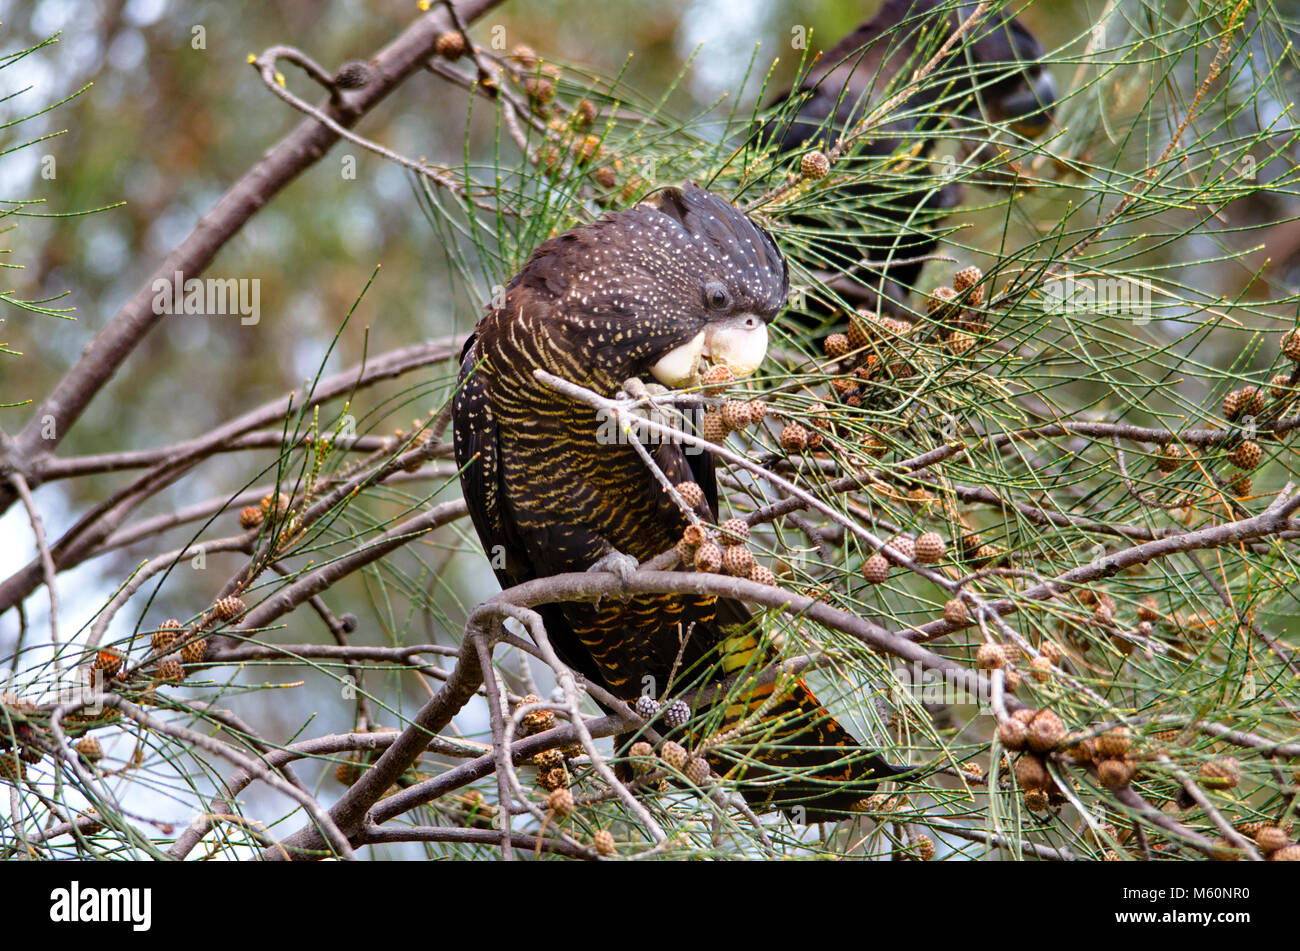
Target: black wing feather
<point>477,456</point>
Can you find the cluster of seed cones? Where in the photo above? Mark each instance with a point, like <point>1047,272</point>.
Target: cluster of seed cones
<point>553,766</point>
<point>733,415</point>
<point>1040,735</point>
<point>1274,842</point>
<point>877,354</point>
<point>1246,407</point>
<point>571,142</point>
<point>172,647</point>
<point>719,550</point>
<point>1008,657</point>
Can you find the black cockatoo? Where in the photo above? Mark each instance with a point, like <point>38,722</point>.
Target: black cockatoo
<point>994,70</point>
<point>650,294</point>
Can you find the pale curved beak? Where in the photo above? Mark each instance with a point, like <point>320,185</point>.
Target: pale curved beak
<point>681,365</point>
<point>738,343</point>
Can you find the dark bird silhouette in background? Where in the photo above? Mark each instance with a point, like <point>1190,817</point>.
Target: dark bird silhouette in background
<point>643,296</point>
<point>993,72</point>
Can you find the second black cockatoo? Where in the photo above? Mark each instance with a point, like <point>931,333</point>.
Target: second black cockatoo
<point>653,294</point>
<point>994,71</point>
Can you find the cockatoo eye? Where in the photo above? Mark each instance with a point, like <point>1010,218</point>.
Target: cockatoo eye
<point>717,296</point>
